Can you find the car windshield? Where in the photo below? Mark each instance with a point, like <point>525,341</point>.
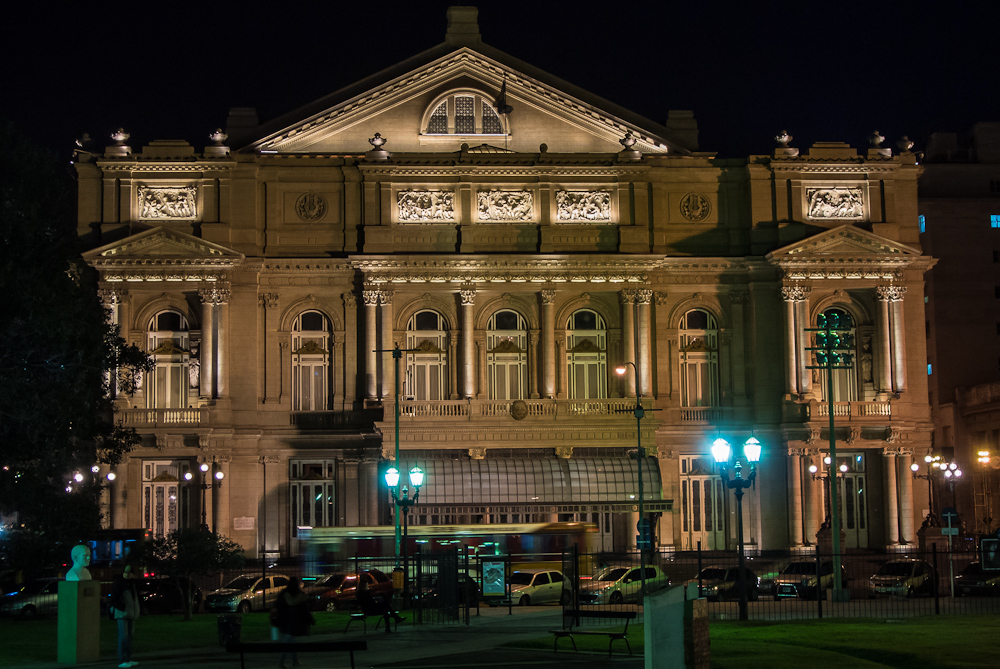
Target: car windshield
<point>241,583</point>
<point>896,569</point>
<point>800,568</point>
<point>610,574</point>
<point>712,573</point>
<point>521,578</point>
<point>973,569</point>
<point>331,580</point>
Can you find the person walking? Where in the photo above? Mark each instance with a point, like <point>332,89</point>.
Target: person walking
<point>292,617</point>
<point>125,609</point>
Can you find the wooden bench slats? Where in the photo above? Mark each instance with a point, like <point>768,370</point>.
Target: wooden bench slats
<point>304,647</point>
<point>613,636</point>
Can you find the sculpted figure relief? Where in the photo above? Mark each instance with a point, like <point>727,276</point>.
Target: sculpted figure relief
<point>499,205</point>
<point>426,205</point>
<point>167,203</point>
<point>586,206</point>
<point>840,203</point>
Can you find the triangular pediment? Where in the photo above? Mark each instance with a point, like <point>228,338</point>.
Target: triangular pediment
<point>394,104</point>
<point>844,241</point>
<point>847,252</point>
<point>161,254</point>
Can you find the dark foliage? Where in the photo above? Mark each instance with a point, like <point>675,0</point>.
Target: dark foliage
<point>56,347</point>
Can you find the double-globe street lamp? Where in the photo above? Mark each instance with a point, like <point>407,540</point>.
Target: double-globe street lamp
<point>403,504</point>
<point>723,453</point>
<point>643,541</point>
<point>213,481</point>
<point>937,466</point>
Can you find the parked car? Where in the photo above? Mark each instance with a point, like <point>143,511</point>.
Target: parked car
<point>340,589</point>
<point>974,580</point>
<point>246,593</point>
<point>468,590</point>
<point>617,585</point>
<point>34,599</point>
<point>162,595</point>
<point>536,586</point>
<point>719,583</point>
<point>798,579</point>
<point>906,578</point>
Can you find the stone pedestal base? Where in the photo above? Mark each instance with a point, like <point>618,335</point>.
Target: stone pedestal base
<point>79,622</point>
<point>824,540</point>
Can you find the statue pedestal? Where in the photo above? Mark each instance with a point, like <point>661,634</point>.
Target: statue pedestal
<point>79,622</point>
<point>824,541</point>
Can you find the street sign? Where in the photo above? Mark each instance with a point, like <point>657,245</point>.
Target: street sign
<point>644,540</point>
<point>949,530</point>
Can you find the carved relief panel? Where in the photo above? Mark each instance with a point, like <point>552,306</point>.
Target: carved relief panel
<point>579,206</point>
<point>837,203</point>
<point>501,206</point>
<point>425,206</point>
<point>162,203</point>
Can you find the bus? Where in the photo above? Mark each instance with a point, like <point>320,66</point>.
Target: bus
<point>524,542</point>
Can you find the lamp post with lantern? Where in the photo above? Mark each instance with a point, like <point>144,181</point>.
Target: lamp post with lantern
<point>403,503</point>
<point>723,454</point>
<point>984,510</point>
<point>207,481</point>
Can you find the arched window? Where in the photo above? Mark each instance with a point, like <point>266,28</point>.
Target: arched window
<point>465,113</point>
<point>699,359</point>
<point>586,355</point>
<point>845,386</point>
<point>507,355</point>
<point>169,345</point>
<point>310,362</point>
<point>427,365</point>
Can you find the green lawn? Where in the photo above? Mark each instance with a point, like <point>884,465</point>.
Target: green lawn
<point>913,643</point>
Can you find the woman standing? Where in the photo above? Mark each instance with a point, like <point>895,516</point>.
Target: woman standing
<point>292,617</point>
<point>125,606</point>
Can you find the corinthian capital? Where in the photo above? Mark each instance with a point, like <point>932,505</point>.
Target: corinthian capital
<point>890,292</point>
<point>643,296</point>
<point>548,296</point>
<point>215,294</point>
<point>385,296</point>
<point>627,295</point>
<point>370,296</point>
<point>795,292</point>
<point>468,296</point>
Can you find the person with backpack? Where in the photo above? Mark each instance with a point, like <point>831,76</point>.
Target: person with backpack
<point>125,610</point>
<point>292,617</point>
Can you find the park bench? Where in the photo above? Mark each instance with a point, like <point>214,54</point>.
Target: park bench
<point>575,616</point>
<point>358,614</point>
<point>304,647</point>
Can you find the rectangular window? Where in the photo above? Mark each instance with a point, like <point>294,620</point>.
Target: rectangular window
<point>995,220</point>
<point>923,222</point>
<point>465,118</point>
<point>928,369</point>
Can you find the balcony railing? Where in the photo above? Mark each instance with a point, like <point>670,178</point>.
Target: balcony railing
<point>851,410</point>
<point>163,417</point>
<point>520,409</point>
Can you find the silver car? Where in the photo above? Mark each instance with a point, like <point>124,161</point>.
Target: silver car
<point>536,586</point>
<point>246,593</point>
<point>617,585</point>
<point>34,599</point>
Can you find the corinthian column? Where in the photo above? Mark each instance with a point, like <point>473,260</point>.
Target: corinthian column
<point>906,533</point>
<point>892,342</point>
<point>468,296</point>
<point>643,298</point>
<point>388,370</point>
<point>795,494</point>
<point>370,297</point>
<point>627,299</point>
<point>548,344</point>
<point>797,378</point>
<point>891,497</point>
<point>211,360</point>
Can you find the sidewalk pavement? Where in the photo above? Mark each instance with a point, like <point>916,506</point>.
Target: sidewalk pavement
<point>452,646</point>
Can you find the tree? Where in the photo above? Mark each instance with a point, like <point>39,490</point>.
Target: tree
<point>58,357</point>
<point>190,553</point>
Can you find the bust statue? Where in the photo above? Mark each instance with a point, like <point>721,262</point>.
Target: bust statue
<point>81,559</point>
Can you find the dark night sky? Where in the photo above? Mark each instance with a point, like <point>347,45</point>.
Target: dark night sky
<point>825,71</point>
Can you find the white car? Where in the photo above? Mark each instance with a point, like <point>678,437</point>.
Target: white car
<point>536,586</point>
<point>246,593</point>
<point>617,585</point>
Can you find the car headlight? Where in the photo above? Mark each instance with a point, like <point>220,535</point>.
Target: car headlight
<point>809,582</point>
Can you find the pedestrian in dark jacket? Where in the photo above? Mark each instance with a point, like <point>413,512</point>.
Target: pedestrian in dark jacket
<point>125,608</point>
<point>292,617</point>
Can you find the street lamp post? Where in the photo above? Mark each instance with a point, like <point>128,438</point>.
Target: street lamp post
<point>644,538</point>
<point>986,521</point>
<point>207,482</point>
<point>722,452</point>
<point>833,345</point>
<point>403,504</point>
<point>937,466</point>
